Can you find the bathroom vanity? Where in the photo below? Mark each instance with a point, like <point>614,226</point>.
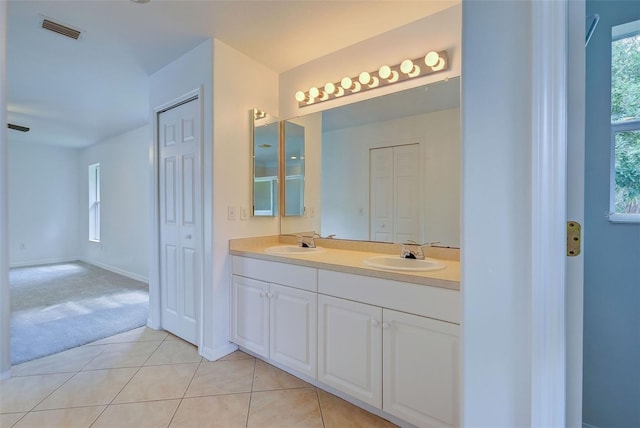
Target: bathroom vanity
<point>387,340</point>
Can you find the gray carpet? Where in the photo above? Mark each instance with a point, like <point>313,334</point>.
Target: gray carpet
<point>60,306</point>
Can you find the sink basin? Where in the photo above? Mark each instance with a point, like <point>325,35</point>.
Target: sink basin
<point>398,263</point>
<point>292,250</point>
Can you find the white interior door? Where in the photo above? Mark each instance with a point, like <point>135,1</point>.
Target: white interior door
<point>180,218</point>
<point>394,187</point>
<point>406,183</point>
<point>381,194</point>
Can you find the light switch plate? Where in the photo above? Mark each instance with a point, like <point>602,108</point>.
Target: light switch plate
<point>244,213</point>
<point>231,213</point>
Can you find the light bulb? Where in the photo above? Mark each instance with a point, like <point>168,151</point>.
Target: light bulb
<point>440,65</point>
<point>314,92</point>
<point>409,68</point>
<point>330,88</point>
<point>301,96</point>
<point>431,59</point>
<point>364,78</point>
<point>384,72</point>
<point>346,83</point>
<point>406,66</point>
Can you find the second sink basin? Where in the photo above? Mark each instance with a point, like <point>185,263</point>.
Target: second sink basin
<point>291,250</point>
<point>398,263</point>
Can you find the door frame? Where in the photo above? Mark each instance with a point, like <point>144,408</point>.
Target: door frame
<point>557,165</point>
<point>155,303</point>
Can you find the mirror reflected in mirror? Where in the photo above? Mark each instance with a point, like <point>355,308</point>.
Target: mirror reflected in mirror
<point>293,137</point>
<point>265,143</point>
<point>390,168</point>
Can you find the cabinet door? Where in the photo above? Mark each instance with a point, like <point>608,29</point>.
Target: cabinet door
<point>350,348</point>
<point>421,369</point>
<point>294,329</point>
<point>250,314</point>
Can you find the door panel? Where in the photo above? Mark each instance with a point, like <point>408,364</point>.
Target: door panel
<point>350,348</point>
<point>293,321</point>
<point>395,193</point>
<point>180,219</point>
<point>381,194</point>
<point>421,358</point>
<point>250,323</point>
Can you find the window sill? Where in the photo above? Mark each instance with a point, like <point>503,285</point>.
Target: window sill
<point>624,218</point>
<point>97,241</point>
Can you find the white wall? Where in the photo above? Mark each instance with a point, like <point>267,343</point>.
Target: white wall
<point>125,203</point>
<point>231,84</point>
<point>436,32</point>
<point>5,295</point>
<point>496,214</point>
<point>240,84</point>
<point>43,204</point>
<point>192,71</point>
<point>345,174</point>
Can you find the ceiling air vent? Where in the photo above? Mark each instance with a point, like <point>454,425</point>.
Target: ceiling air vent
<point>17,127</point>
<point>60,29</point>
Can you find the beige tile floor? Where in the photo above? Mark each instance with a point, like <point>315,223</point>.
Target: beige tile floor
<point>147,378</point>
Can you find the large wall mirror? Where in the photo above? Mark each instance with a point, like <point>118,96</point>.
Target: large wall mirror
<point>390,168</point>
<point>265,133</point>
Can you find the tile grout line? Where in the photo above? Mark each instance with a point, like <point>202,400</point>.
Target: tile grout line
<point>320,407</point>
<point>185,391</point>
<point>253,379</point>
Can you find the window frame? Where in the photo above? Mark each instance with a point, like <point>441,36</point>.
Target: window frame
<point>94,202</point>
<point>616,127</point>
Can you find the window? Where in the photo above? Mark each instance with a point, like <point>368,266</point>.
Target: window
<point>94,202</point>
<point>625,123</point>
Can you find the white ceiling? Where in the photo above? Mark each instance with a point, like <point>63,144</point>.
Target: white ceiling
<point>76,93</point>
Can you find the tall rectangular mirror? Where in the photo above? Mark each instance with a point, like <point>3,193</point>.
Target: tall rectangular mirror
<point>390,168</point>
<point>265,139</point>
<point>293,153</point>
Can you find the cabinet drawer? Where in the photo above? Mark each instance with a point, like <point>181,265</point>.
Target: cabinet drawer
<point>433,302</point>
<point>302,277</point>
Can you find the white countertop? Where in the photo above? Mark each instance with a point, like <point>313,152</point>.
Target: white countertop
<point>348,261</point>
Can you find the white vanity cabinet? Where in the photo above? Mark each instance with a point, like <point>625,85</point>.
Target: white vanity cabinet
<point>274,320</point>
<point>420,369</point>
<point>389,344</point>
<point>402,363</point>
<point>350,348</point>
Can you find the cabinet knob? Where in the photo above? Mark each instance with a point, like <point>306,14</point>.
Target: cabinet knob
<point>386,325</point>
<point>375,322</point>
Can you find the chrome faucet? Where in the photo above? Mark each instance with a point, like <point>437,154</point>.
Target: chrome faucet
<point>406,252</point>
<point>308,241</point>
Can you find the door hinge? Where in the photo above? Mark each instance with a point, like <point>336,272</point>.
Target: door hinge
<point>573,238</point>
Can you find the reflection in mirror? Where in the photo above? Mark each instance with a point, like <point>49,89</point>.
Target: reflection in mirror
<point>293,137</point>
<point>264,143</point>
<point>390,168</point>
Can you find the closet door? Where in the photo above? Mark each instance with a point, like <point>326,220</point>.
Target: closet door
<point>180,219</point>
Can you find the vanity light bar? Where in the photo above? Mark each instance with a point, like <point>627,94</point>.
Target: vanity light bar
<point>432,62</point>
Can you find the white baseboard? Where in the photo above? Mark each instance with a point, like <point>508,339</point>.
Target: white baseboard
<point>116,270</point>
<point>44,262</point>
<point>217,353</point>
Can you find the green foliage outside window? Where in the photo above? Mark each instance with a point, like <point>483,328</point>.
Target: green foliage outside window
<point>625,107</point>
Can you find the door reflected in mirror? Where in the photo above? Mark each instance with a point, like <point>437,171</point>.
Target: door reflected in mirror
<point>389,168</point>
<point>294,169</point>
<point>265,143</point>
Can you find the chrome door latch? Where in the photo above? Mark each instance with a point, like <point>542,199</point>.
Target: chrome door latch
<point>573,238</point>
